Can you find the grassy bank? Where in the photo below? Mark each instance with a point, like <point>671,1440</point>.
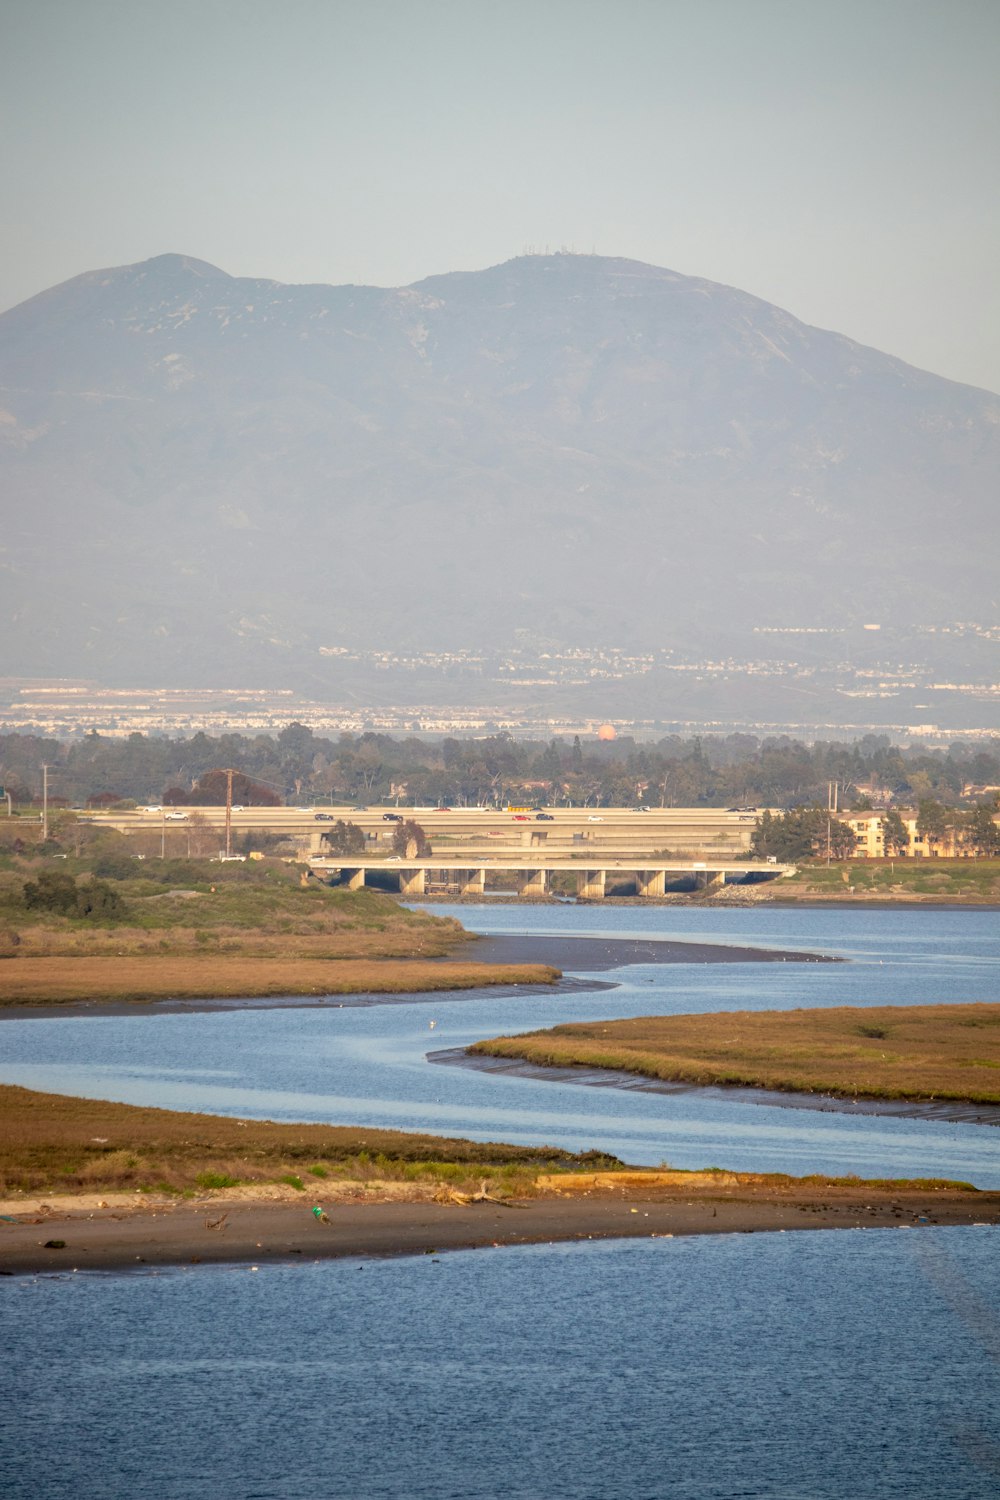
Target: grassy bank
<point>920,1052</point>
<point>263,910</point>
<point>969,882</point>
<point>197,933</point>
<point>60,1146</point>
<point>52,1143</point>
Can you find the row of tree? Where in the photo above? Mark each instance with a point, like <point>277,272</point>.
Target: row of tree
<point>805,832</point>
<point>724,770</point>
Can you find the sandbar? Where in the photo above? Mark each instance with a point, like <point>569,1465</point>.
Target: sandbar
<point>593,954</point>
<point>129,1234</point>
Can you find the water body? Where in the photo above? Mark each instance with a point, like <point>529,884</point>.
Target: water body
<point>817,1365</point>
<point>781,1366</point>
<point>368,1065</point>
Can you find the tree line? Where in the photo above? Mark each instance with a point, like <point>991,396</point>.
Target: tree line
<point>675,771</point>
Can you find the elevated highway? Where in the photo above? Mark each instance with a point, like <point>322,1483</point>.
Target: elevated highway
<point>531,878</point>
<point>477,832</point>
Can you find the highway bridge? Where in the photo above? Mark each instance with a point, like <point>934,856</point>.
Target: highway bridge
<point>419,877</point>
<point>608,833</point>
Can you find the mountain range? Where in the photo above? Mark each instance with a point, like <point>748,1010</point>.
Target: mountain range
<point>212,479</point>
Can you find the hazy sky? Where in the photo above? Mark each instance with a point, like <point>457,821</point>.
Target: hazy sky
<point>837,157</point>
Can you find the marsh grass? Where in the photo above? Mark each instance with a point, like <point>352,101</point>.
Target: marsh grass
<point>50,1142</point>
<point>922,1052</point>
<point>206,976</point>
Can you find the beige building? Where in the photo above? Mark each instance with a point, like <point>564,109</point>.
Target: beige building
<point>868,831</point>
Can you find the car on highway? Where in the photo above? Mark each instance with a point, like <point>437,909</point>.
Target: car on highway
<point>521,818</point>
<point>237,807</point>
<point>595,818</point>
<point>641,808</point>
<point>391,818</point>
<point>323,817</point>
<point>394,859</point>
<point>544,818</point>
<point>494,833</point>
<point>176,817</point>
<point>442,809</point>
<point>359,808</point>
<point>152,808</point>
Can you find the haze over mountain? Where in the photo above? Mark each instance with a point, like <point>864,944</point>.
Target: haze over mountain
<point>209,479</point>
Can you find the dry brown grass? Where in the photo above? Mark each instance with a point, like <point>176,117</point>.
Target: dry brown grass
<point>35,981</point>
<point>53,1143</point>
<point>894,1052</point>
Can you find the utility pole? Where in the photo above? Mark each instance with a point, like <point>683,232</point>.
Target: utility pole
<point>832,798</point>
<point>163,833</point>
<point>229,812</point>
<point>45,802</point>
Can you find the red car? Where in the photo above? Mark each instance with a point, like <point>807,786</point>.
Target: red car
<point>442,809</point>
<point>521,818</point>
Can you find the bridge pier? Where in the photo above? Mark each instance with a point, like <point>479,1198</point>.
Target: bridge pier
<point>413,882</point>
<point>590,885</point>
<point>353,879</point>
<point>472,882</point>
<point>533,882</point>
<point>650,883</point>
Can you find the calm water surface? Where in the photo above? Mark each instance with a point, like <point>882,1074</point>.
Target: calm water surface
<point>368,1066</point>
<point>788,1366</point>
<point>805,1365</point>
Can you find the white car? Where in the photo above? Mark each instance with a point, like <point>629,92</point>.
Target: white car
<point>237,807</point>
<point>176,817</point>
<point>157,808</point>
<point>595,819</point>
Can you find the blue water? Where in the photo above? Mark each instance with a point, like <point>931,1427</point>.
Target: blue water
<point>799,1366</point>
<point>819,1364</point>
<point>368,1066</point>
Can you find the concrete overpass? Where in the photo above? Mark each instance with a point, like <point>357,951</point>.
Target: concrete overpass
<point>531,879</point>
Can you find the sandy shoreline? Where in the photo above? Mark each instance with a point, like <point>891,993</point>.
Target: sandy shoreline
<point>222,1230</point>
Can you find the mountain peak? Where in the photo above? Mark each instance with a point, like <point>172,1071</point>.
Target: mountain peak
<point>173,264</point>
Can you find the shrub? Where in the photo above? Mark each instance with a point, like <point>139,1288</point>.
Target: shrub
<point>216,1180</point>
<point>10,941</point>
<point>52,891</point>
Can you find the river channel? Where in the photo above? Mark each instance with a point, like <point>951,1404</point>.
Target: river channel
<point>367,1064</point>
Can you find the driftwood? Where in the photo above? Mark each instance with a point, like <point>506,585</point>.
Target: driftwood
<point>465,1200</point>
<point>216,1223</point>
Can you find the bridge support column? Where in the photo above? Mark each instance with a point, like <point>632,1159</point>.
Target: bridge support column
<point>715,880</point>
<point>533,882</point>
<point>353,879</point>
<point>650,882</point>
<point>590,885</point>
<point>413,882</point>
<point>472,882</point>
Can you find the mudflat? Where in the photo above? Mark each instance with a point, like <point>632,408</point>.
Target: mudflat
<point>590,954</point>
<point>74,1235</point>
